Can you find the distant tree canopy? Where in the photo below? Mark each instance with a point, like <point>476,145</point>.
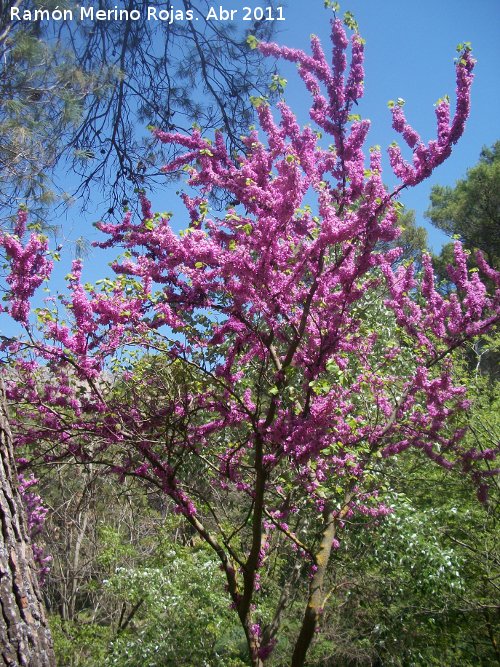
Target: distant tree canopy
<point>81,94</point>
<point>42,97</point>
<point>471,209</point>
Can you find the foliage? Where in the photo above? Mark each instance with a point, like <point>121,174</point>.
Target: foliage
<point>413,239</point>
<point>78,644</point>
<point>417,588</point>
<point>42,96</point>
<point>185,590</point>
<point>167,609</point>
<point>289,357</point>
<point>470,210</point>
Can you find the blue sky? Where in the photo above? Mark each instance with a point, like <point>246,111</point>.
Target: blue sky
<point>410,47</point>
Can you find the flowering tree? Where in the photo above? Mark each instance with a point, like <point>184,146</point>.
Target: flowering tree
<point>285,355</point>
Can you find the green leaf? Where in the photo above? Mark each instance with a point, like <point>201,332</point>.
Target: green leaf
<point>350,22</point>
<point>252,41</point>
<point>257,101</point>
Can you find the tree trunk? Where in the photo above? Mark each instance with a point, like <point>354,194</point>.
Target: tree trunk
<point>24,634</point>
<point>315,602</point>
<point>317,598</point>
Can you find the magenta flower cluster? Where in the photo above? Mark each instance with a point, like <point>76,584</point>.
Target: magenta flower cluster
<point>29,266</point>
<point>36,515</point>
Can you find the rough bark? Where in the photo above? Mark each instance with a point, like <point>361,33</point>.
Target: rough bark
<point>24,634</point>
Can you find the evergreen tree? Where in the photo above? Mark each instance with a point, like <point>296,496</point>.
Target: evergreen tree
<point>80,93</point>
<point>471,210</point>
